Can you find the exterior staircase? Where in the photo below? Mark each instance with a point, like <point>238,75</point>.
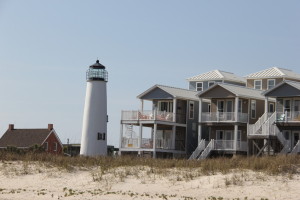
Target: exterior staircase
<point>206,152</point>
<point>296,148</point>
<point>198,150</point>
<point>265,125</point>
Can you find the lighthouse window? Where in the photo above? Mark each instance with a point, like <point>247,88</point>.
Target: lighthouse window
<point>101,136</point>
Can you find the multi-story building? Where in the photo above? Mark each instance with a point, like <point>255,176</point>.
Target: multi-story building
<point>220,114</point>
<point>171,124</point>
<point>278,132</point>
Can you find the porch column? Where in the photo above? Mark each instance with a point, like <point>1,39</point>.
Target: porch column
<point>266,104</point>
<point>121,137</point>
<point>199,133</point>
<point>142,105</point>
<point>200,110</point>
<point>174,137</point>
<point>174,109</point>
<point>140,135</point>
<point>235,136</point>
<point>236,109</point>
<point>154,141</point>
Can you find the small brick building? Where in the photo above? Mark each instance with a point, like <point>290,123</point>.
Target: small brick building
<point>26,138</point>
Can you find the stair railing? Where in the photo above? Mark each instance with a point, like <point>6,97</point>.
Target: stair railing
<point>198,150</point>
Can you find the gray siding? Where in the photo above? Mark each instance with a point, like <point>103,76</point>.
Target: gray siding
<point>235,83</point>
<point>157,93</point>
<point>284,90</point>
<point>192,84</point>
<point>279,105</point>
<point>192,129</point>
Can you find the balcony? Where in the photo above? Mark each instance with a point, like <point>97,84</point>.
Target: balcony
<point>224,117</point>
<point>147,115</point>
<point>292,116</point>
<point>228,145</point>
<point>147,143</point>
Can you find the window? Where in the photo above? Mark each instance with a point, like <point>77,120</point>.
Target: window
<point>240,106</point>
<point>253,109</point>
<point>199,86</point>
<point>211,83</point>
<point>165,106</point>
<point>46,146</point>
<point>191,110</point>
<point>220,135</point>
<point>257,84</point>
<point>271,107</point>
<point>209,107</point>
<point>55,146</point>
<point>287,107</point>
<point>101,136</point>
<point>271,83</point>
<point>220,106</point>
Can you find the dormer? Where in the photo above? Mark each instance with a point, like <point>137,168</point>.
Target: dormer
<point>268,78</point>
<point>203,81</point>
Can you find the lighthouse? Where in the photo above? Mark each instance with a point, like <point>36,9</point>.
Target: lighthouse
<point>94,128</point>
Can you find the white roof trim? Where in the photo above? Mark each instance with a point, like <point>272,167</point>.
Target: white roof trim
<point>53,131</point>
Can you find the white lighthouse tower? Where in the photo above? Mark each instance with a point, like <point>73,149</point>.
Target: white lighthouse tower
<point>94,128</point>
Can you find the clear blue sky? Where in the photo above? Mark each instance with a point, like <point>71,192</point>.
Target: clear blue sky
<point>46,47</point>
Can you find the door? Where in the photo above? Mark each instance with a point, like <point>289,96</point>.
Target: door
<point>287,136</point>
<point>229,109</point>
<point>228,143</point>
<point>220,113</point>
<point>296,111</point>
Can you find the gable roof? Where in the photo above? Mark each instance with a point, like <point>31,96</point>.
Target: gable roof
<point>217,75</point>
<point>274,72</point>
<point>239,91</point>
<point>173,91</point>
<point>24,137</point>
<point>291,83</point>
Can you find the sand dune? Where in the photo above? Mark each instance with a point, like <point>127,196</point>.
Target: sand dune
<point>22,180</point>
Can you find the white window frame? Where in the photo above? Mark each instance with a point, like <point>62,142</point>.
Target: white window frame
<point>253,109</point>
<point>284,107</point>
<point>55,146</point>
<point>255,84</point>
<point>169,106</point>
<point>209,82</point>
<point>191,111</point>
<point>46,144</point>
<point>269,110</point>
<point>199,87</point>
<point>268,85</point>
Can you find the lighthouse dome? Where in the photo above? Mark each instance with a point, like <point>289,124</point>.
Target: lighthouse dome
<point>97,72</point>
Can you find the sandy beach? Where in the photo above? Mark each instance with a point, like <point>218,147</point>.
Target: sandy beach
<point>24,180</point>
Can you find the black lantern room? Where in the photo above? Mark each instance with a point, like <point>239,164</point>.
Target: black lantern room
<point>97,72</point>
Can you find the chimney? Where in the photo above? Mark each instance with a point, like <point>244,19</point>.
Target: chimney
<point>11,127</point>
<point>50,127</point>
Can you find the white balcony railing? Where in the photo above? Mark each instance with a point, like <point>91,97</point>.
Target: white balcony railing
<point>147,143</point>
<point>292,116</point>
<point>230,145</point>
<point>223,117</point>
<point>147,115</point>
